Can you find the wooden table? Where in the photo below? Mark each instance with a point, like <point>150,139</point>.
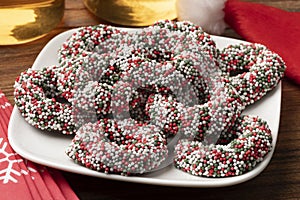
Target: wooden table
<point>280,180</point>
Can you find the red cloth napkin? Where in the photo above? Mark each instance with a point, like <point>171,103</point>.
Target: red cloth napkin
<point>277,29</point>
<point>22,179</point>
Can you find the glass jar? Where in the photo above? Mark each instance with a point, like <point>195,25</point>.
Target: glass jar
<point>23,21</point>
<point>132,12</point>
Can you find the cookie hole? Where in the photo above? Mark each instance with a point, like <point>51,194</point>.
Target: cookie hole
<point>138,102</point>
<point>237,72</point>
<point>54,94</point>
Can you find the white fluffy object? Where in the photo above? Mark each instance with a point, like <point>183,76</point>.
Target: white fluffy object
<point>208,14</point>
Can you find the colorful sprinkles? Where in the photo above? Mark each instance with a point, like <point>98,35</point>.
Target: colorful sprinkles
<point>252,143</point>
<point>37,97</point>
<point>121,147</point>
<point>252,69</point>
<point>126,95</point>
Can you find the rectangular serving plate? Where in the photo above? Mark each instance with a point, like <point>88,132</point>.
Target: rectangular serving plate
<point>49,148</point>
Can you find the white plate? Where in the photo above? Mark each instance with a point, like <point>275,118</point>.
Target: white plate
<point>49,149</point>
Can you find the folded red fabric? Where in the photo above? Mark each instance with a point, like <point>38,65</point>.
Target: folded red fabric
<point>277,29</point>
<point>22,179</point>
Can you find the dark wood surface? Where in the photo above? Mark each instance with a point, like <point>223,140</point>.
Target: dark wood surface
<point>280,180</point>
